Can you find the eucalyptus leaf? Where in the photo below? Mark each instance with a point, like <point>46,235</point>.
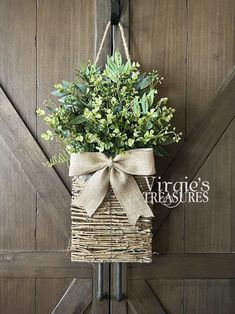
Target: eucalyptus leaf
<point>118,57</point>
<point>66,84</point>
<point>118,108</point>
<point>126,67</point>
<point>57,93</point>
<point>111,64</point>
<point>144,83</point>
<point>111,74</point>
<point>78,120</point>
<point>81,87</point>
<point>144,103</point>
<point>151,97</point>
<point>111,110</point>
<point>136,106</point>
<point>63,99</point>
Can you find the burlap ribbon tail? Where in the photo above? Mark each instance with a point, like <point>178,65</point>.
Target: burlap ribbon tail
<point>118,172</point>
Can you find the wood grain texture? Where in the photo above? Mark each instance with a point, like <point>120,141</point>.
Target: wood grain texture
<point>76,298</point>
<point>17,295</point>
<point>102,17</point>
<point>42,264</point>
<point>209,296</point>
<point>232,188</point>
<point>164,34</point>
<point>88,310</point>
<point>178,266</point>
<point>165,266</point>
<point>49,292</point>
<point>142,300</point>
<point>64,42</point>
<point>158,41</point>
<point>201,142</point>
<point>30,156</point>
<point>17,204</point>
<point>17,195</point>
<point>168,236</point>
<point>208,225</point>
<point>210,53</point>
<point>18,56</point>
<point>170,294</point>
<point>49,233</point>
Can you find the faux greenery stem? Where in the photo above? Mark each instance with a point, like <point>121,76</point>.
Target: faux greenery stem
<point>109,110</point>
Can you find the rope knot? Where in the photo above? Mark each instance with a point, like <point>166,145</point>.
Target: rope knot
<point>110,162</point>
<point>125,44</point>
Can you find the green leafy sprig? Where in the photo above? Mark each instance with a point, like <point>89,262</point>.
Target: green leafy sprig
<point>110,110</point>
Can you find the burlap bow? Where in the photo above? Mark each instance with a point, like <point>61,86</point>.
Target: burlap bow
<point>119,173</point>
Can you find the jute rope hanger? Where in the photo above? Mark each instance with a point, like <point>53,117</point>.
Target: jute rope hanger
<point>108,196</point>
<point>125,45</point>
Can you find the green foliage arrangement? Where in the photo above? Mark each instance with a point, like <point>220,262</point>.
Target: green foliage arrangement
<point>110,110</point>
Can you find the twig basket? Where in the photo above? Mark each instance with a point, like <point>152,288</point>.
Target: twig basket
<point>108,236</point>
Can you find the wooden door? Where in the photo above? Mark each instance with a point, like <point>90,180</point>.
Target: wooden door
<point>42,42</point>
<point>191,43</point>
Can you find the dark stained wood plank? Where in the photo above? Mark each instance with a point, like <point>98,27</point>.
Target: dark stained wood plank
<point>17,203</point>
<point>17,75</point>
<point>49,233</point>
<point>17,295</point>
<point>202,140</point>
<point>208,226</point>
<point>177,266</point>
<point>64,42</point>
<point>76,299</point>
<point>59,56</point>
<point>30,156</point>
<point>141,298</point>
<point>209,296</point>
<point>49,292</point>
<point>158,41</point>
<point>165,266</point>
<point>18,56</point>
<point>102,17</point>
<point>170,294</point>
<point>162,48</point>
<point>233,194</point>
<point>164,241</point>
<point>210,54</point>
<point>41,264</point>
<point>89,309</point>
<point>17,195</point>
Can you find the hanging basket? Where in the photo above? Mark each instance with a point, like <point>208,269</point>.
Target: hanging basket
<point>108,236</point>
<point>110,141</point>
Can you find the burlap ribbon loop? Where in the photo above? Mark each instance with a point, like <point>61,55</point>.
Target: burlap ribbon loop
<point>119,173</point>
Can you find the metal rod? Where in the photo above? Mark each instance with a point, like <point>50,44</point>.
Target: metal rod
<point>100,281</point>
<point>119,295</point>
<point>115,12</point>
